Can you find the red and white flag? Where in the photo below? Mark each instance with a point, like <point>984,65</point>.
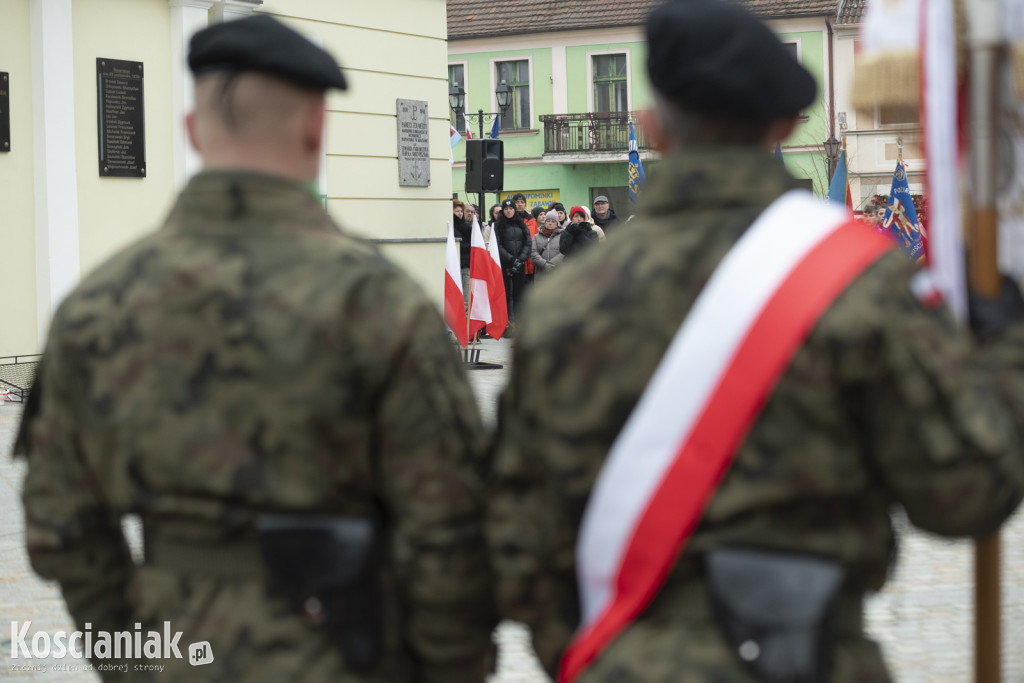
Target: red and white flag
<point>465,124</point>
<point>454,301</point>
<point>486,286</point>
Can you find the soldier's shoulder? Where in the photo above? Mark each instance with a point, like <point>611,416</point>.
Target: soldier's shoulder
<point>129,263</point>
<point>891,289</point>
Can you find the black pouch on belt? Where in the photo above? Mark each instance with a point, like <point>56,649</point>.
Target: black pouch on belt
<point>326,566</point>
<point>777,610</point>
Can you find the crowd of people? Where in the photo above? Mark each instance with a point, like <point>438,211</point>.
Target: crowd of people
<point>532,241</point>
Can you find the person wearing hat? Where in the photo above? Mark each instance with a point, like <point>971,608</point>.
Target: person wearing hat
<point>546,253</point>
<point>604,215</point>
<point>514,245</point>
<point>531,224</point>
<point>579,234</point>
<point>698,451</point>
<point>277,403</point>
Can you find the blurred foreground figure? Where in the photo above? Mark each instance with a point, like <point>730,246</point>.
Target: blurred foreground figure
<point>699,449</point>
<point>277,402</point>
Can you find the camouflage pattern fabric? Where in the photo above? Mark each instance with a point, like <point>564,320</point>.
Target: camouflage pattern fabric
<point>250,356</point>
<point>885,404</point>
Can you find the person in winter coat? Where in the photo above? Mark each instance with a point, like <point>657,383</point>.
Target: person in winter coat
<point>463,230</point>
<point>531,223</point>
<point>579,233</point>
<point>514,246</point>
<point>587,217</point>
<point>604,215</point>
<point>546,254</point>
<point>563,219</point>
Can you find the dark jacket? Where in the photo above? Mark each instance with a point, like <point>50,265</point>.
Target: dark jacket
<point>575,237</point>
<point>610,220</point>
<point>514,241</point>
<point>464,231</point>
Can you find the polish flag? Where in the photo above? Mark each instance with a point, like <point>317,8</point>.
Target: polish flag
<point>454,302</point>
<point>486,286</point>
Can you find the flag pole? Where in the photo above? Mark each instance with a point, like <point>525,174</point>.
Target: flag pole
<point>983,274</point>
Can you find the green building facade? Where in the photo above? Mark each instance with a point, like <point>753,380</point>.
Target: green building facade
<point>587,84</point>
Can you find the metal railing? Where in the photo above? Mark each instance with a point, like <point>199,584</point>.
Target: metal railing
<point>590,133</point>
<point>16,376</point>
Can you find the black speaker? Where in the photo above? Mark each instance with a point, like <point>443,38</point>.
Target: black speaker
<point>485,166</point>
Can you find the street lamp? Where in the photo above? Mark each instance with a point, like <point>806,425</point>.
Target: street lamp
<point>457,101</point>
<point>832,147</point>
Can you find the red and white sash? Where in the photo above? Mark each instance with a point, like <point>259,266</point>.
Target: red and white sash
<point>741,334</point>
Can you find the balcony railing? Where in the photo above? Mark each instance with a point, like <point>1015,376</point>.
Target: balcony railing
<point>590,133</point>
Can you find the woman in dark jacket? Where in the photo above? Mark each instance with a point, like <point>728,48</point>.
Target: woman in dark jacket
<point>463,230</point>
<point>578,234</point>
<point>514,246</point>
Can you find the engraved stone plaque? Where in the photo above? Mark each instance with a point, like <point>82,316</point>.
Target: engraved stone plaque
<point>121,116</point>
<point>413,143</point>
<point>5,111</point>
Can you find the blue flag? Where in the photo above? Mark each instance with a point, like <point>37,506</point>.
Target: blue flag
<point>636,167</point>
<point>901,217</point>
<point>839,188</point>
<point>494,129</point>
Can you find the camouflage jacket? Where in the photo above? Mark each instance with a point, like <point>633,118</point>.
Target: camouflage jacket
<point>247,357</point>
<point>886,403</point>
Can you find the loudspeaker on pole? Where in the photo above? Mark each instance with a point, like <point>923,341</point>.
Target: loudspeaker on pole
<point>485,165</point>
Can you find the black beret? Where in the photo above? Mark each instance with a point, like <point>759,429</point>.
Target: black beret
<point>715,57</point>
<point>261,43</point>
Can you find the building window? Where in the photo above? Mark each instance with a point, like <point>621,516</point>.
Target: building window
<point>793,47</point>
<point>896,116</point>
<point>457,76</point>
<point>610,83</point>
<point>516,75</point>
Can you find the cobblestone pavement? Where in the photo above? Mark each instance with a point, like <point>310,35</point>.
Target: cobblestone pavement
<point>923,619</point>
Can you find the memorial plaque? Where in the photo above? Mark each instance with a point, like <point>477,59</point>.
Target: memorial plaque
<point>413,143</point>
<point>5,111</point>
<point>121,118</point>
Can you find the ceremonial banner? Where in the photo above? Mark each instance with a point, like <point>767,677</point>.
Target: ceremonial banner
<point>839,188</point>
<point>940,119</point>
<point>901,217</point>
<point>636,167</point>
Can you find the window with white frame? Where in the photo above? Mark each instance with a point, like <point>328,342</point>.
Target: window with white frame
<point>457,77</point>
<point>896,116</point>
<point>610,82</point>
<point>794,48</point>
<point>516,75</point>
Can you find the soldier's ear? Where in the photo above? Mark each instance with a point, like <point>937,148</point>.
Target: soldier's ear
<point>190,126</point>
<point>655,133</point>
<point>781,129</point>
<point>313,135</point>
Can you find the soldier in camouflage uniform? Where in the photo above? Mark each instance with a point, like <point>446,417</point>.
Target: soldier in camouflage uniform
<point>249,357</point>
<point>886,403</point>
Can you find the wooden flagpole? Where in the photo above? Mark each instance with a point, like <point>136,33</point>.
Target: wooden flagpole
<point>983,274</point>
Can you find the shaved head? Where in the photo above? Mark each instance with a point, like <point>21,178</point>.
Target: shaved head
<point>257,122</point>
